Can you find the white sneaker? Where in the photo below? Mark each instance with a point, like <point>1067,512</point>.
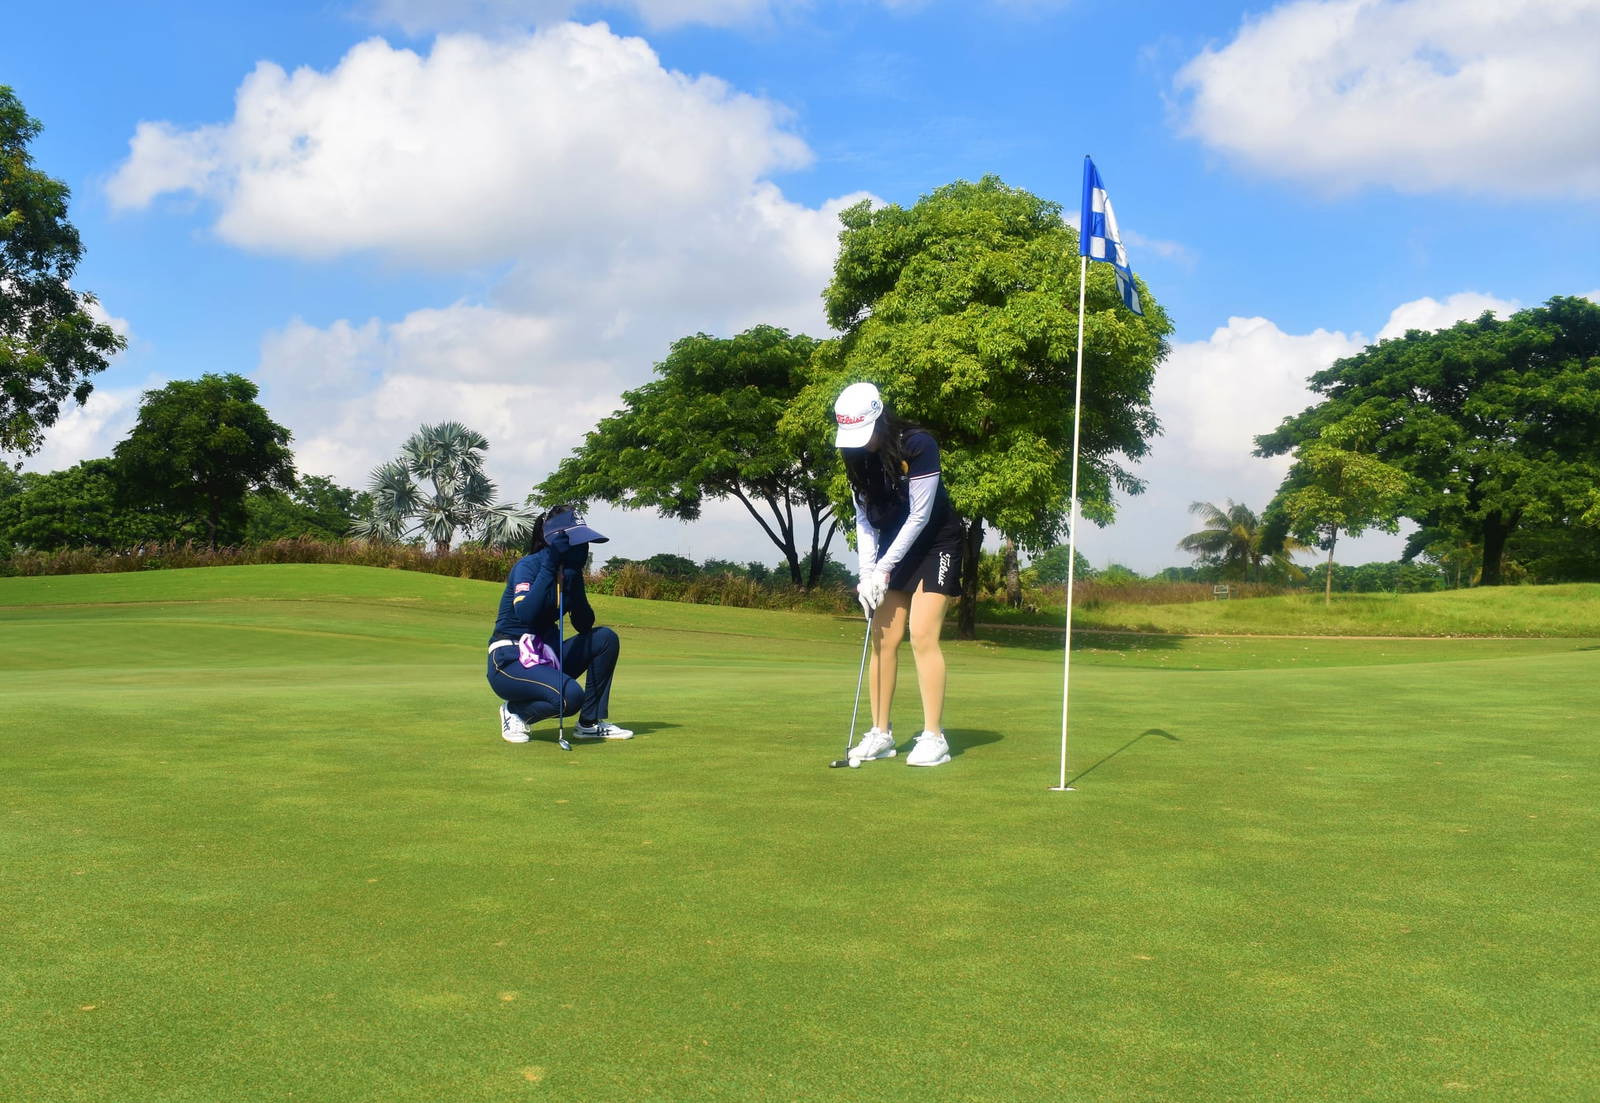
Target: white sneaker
<point>930,750</point>
<point>513,728</point>
<point>874,744</point>
<point>602,729</point>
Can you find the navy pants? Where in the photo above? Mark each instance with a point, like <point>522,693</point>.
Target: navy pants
<point>537,693</point>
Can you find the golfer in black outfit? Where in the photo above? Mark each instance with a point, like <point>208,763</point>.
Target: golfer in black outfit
<point>908,539</point>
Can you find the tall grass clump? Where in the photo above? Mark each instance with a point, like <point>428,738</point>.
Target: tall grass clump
<point>486,564</point>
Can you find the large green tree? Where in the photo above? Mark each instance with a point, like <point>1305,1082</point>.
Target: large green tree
<point>50,345</point>
<point>709,427</point>
<point>79,507</point>
<point>437,488</point>
<point>315,507</point>
<point>1496,421</point>
<point>1050,566</point>
<point>199,447</point>
<point>963,310</point>
<point>1334,486</point>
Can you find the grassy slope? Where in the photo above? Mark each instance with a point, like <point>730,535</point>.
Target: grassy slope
<point>1571,610</point>
<point>257,837</point>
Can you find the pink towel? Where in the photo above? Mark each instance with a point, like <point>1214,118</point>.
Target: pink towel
<point>532,651</point>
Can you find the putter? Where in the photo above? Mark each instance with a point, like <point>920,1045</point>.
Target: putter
<point>850,736</point>
<point>561,665</point>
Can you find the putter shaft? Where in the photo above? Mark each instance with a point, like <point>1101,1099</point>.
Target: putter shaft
<point>850,736</point>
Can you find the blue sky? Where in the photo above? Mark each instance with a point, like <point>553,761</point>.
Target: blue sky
<point>502,211</point>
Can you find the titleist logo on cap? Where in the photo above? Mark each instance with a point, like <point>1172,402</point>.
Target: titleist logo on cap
<point>854,419</point>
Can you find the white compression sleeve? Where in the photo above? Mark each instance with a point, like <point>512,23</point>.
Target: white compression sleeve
<point>866,540</point>
<point>923,489</point>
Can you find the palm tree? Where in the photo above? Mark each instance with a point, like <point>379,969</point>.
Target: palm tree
<point>449,456</point>
<point>1231,540</point>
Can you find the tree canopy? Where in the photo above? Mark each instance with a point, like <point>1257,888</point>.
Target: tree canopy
<point>79,507</point>
<point>1496,421</point>
<point>50,344</point>
<point>963,310</point>
<point>1051,565</point>
<point>1335,486</point>
<point>315,507</point>
<point>199,447</point>
<point>708,426</point>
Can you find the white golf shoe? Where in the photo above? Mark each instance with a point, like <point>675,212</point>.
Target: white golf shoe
<point>874,744</point>
<point>602,729</point>
<point>513,728</point>
<point>930,749</point>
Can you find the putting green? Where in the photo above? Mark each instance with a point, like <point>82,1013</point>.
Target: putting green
<point>259,839</point>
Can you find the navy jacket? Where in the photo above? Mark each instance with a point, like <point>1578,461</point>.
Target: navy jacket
<point>529,601</point>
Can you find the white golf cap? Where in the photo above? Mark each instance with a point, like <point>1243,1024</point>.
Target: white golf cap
<point>857,410</point>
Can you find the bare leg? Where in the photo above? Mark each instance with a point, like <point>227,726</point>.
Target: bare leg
<point>927,618</point>
<point>888,629</point>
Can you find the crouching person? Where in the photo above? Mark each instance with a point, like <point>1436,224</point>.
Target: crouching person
<point>533,664</point>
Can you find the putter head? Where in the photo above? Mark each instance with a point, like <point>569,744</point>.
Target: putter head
<point>838,763</point>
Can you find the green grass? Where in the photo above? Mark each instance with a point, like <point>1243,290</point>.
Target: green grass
<point>259,840</point>
<point>1571,610</point>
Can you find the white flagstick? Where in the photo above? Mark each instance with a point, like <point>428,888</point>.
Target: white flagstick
<point>1072,532</point>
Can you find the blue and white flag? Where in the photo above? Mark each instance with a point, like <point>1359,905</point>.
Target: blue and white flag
<point>1098,237</point>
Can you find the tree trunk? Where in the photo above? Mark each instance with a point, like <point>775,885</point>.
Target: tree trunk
<point>784,539</point>
<point>1327,593</point>
<point>819,549</point>
<point>1008,549</point>
<point>1495,532</point>
<point>971,547</point>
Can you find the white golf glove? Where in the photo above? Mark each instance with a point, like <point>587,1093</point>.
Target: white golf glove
<point>864,593</point>
<point>873,585</point>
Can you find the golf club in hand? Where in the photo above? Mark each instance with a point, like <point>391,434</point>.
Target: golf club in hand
<point>850,735</point>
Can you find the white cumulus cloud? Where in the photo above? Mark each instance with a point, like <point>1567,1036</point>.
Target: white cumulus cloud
<point>1479,96</point>
<point>622,206</point>
<point>1428,314</point>
<point>352,393</point>
<point>88,431</point>
<point>476,151</point>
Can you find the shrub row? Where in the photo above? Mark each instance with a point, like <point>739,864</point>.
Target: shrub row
<point>633,580</point>
<point>630,580</point>
<point>483,564</point>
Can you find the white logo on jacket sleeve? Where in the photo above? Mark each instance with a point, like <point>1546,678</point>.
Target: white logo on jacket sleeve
<point>522,587</point>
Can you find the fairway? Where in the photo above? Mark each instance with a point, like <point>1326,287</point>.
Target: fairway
<point>260,840</point>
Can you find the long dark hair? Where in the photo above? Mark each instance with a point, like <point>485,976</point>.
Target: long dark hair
<point>878,478</point>
<point>536,540</point>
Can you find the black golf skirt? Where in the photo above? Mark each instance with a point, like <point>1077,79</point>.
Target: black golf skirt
<point>937,569</point>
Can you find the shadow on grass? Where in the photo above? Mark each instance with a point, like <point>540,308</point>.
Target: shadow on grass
<point>1126,746</point>
<point>965,739</point>
<point>1083,639</point>
<point>541,735</point>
